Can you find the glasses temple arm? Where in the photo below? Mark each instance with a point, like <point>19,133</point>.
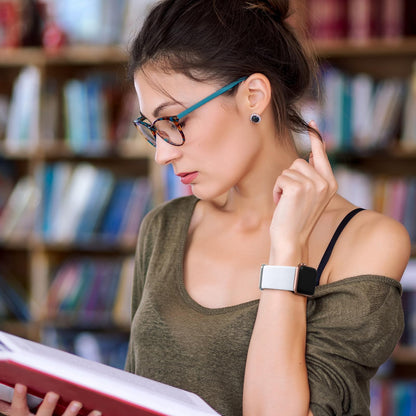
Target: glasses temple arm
<point>210,97</point>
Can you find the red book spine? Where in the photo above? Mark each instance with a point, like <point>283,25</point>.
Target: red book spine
<point>392,18</point>
<point>327,19</point>
<point>364,19</point>
<point>9,24</point>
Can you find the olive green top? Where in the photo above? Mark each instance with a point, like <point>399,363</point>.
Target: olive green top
<point>352,327</point>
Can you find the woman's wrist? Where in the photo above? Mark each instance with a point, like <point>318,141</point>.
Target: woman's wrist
<point>286,256</point>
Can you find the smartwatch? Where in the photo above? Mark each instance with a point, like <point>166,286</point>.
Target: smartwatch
<point>300,280</point>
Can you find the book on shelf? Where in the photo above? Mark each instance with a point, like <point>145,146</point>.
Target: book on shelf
<point>13,304</point>
<point>4,113</point>
<point>86,114</point>
<point>396,397</point>
<point>116,210</point>
<point>95,205</point>
<point>358,112</point>
<point>91,292</point>
<point>363,19</point>
<point>83,203</point>
<point>139,203</point>
<point>93,22</point>
<point>7,182</point>
<point>95,385</point>
<point>360,19</point>
<point>50,112</point>
<point>19,213</point>
<point>394,197</point>
<point>108,346</point>
<point>9,29</point>
<point>408,139</point>
<point>327,19</point>
<point>22,131</point>
<point>71,208</point>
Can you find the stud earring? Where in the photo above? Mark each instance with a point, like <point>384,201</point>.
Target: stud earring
<point>255,118</point>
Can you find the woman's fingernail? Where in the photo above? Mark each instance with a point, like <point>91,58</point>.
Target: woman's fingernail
<point>75,406</point>
<point>20,388</point>
<point>51,397</point>
<point>96,413</point>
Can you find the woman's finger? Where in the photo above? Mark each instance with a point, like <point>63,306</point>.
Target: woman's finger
<point>48,404</point>
<point>5,408</point>
<point>319,156</point>
<point>73,408</point>
<point>19,403</point>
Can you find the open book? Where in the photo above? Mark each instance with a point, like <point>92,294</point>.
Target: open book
<point>97,386</point>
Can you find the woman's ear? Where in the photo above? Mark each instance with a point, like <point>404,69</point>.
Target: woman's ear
<point>256,94</point>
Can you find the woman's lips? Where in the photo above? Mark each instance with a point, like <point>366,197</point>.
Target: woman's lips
<point>188,177</point>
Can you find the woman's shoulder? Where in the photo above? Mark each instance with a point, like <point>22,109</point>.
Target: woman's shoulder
<point>372,244</point>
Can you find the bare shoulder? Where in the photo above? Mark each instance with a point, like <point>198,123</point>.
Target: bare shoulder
<point>371,244</point>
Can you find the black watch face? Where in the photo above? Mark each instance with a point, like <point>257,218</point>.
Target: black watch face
<point>306,281</point>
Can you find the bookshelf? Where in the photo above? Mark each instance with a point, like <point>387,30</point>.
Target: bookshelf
<point>29,259</point>
<point>374,174</point>
<point>32,261</point>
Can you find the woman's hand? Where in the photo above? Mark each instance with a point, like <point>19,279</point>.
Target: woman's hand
<point>301,193</point>
<point>19,406</point>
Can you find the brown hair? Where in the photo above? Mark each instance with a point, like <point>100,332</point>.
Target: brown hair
<point>224,40</point>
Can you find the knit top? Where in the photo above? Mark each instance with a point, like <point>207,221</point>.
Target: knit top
<point>353,326</point>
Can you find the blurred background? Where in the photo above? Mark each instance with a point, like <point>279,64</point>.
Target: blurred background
<point>76,178</point>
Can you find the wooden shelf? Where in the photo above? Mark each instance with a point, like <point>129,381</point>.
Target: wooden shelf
<point>404,355</point>
<point>135,148</point>
<point>381,58</point>
<point>382,48</point>
<point>94,246</point>
<point>390,161</point>
<point>72,55</point>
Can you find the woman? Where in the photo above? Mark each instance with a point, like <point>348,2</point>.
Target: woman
<point>233,72</point>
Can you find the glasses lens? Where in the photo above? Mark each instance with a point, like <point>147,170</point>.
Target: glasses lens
<point>168,131</point>
<point>147,133</point>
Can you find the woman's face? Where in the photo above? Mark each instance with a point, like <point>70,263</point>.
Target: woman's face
<point>220,145</point>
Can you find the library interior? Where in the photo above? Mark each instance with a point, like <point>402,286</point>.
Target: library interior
<point>76,179</point>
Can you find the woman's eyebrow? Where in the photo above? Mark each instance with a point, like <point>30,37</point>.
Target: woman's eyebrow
<point>158,109</point>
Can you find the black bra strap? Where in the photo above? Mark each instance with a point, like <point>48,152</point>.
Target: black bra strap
<point>334,239</point>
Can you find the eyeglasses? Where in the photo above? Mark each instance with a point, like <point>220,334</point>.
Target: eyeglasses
<point>169,128</point>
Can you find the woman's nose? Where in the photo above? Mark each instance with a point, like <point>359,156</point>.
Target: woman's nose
<point>166,153</point>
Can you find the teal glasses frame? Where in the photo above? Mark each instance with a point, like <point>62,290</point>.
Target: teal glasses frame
<point>174,134</point>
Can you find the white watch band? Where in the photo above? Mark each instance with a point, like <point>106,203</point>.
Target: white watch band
<point>278,277</point>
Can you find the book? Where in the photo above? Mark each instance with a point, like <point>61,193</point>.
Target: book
<point>139,204</point>
<point>4,111</point>
<point>9,27</point>
<point>97,386</point>
<point>18,216</point>
<point>13,304</point>
<point>359,112</point>
<point>96,205</point>
<point>408,139</point>
<point>122,304</point>
<point>22,131</point>
<point>92,22</point>
<point>392,18</point>
<point>363,19</point>
<point>327,19</point>
<point>74,201</point>
<point>110,227</point>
